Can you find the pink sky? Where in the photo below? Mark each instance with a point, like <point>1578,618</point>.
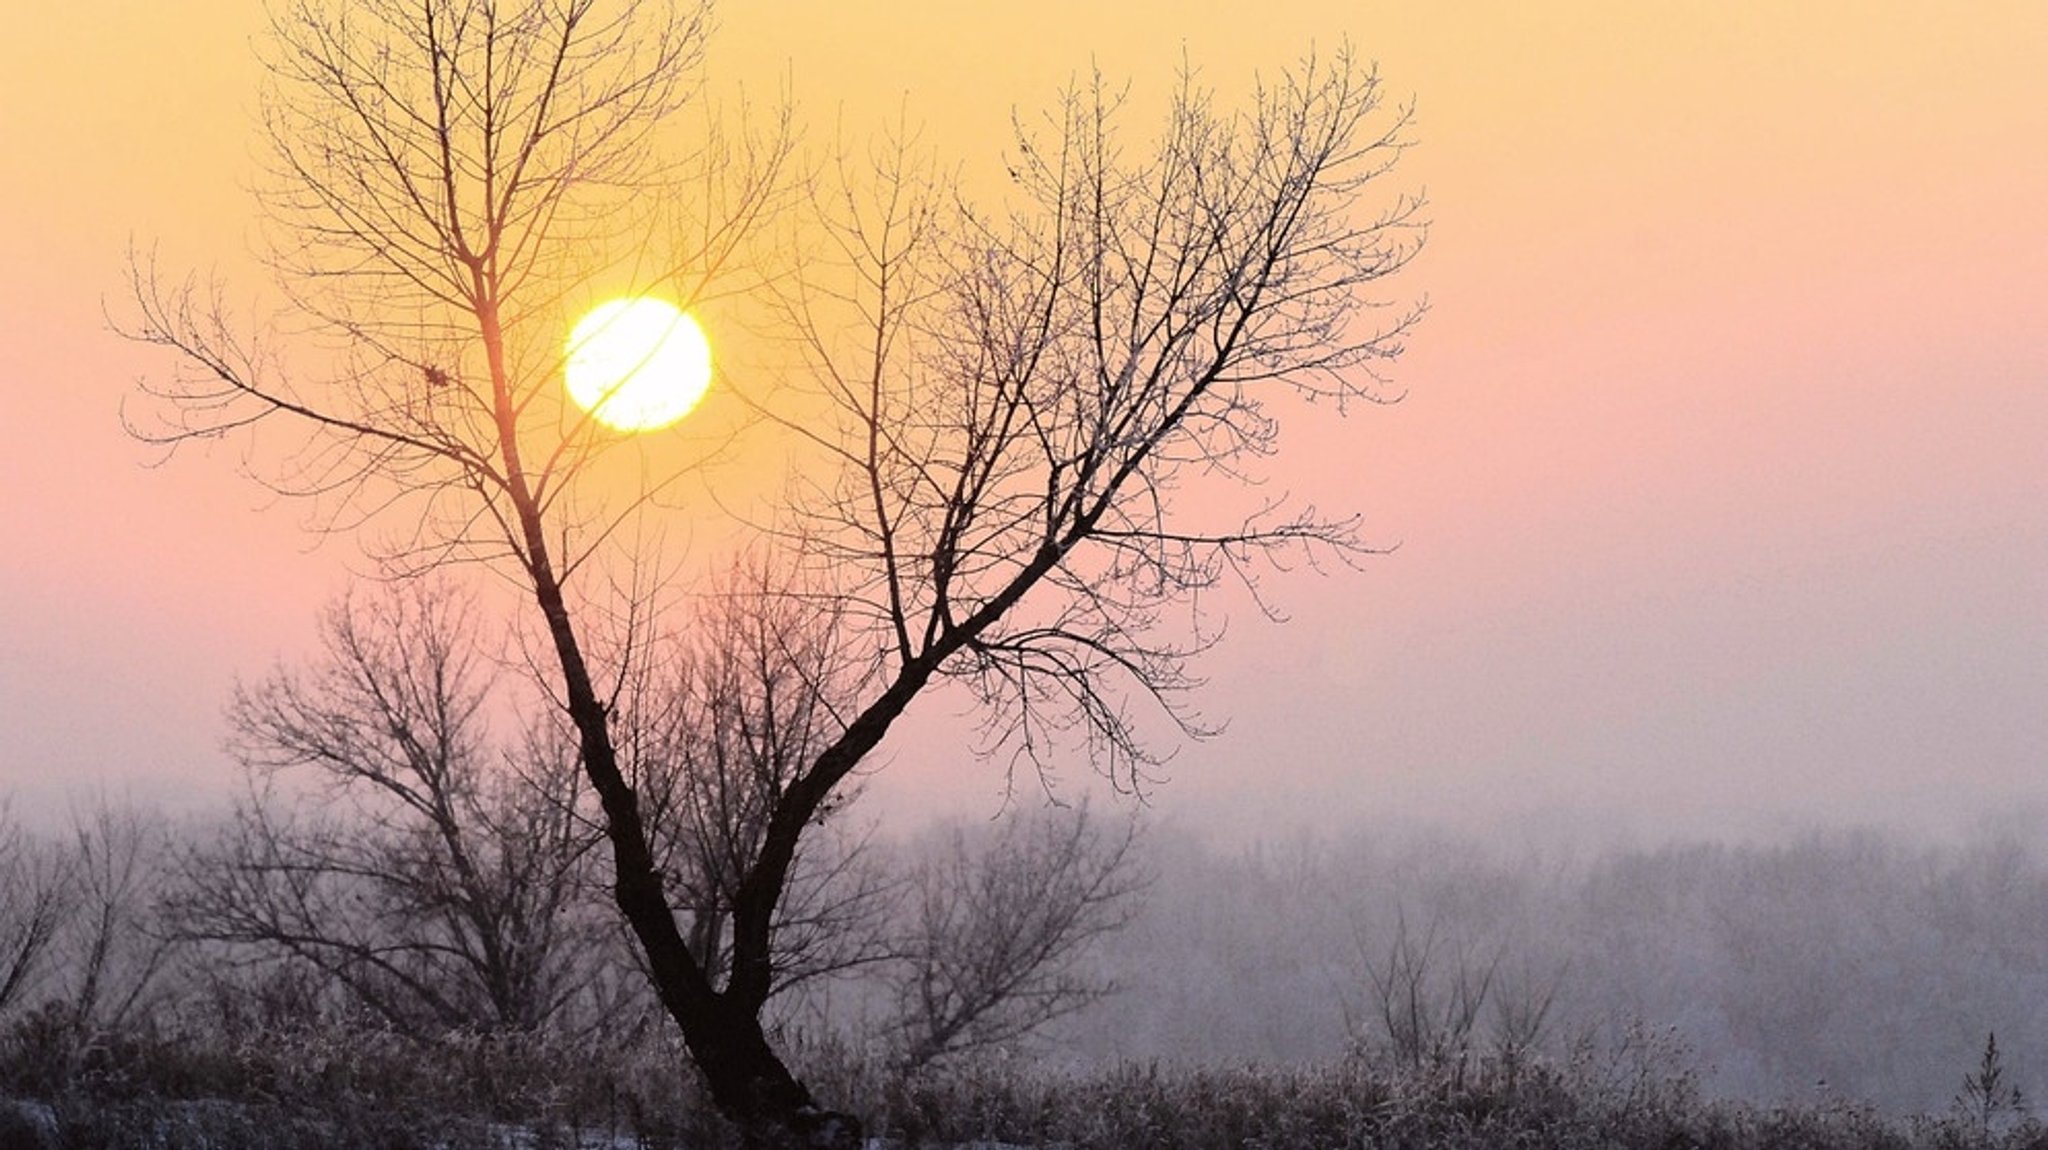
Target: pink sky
<point>1721,486</point>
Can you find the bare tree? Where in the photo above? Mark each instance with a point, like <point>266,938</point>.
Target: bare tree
<point>1025,392</point>
<point>1427,995</point>
<point>1024,395</point>
<point>35,900</point>
<point>1524,997</point>
<point>1001,923</point>
<point>110,949</point>
<point>439,882</point>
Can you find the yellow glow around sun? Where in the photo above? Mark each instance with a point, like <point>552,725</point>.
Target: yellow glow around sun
<point>637,364</point>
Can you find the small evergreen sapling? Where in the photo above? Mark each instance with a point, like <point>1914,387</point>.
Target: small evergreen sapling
<point>1986,1092</point>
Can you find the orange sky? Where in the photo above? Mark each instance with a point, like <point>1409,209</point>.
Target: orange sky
<point>1721,485</point>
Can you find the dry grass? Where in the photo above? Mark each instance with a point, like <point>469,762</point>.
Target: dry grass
<point>315,1090</point>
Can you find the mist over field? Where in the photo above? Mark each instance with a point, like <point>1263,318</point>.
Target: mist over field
<point>1828,964</point>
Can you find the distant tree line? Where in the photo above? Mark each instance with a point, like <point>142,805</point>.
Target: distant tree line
<point>1847,964</point>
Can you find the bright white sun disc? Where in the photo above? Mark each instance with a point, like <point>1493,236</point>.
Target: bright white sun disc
<point>637,364</point>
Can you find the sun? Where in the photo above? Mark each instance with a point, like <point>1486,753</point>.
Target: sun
<point>637,364</point>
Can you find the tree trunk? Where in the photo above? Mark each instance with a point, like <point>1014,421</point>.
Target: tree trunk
<point>749,1084</point>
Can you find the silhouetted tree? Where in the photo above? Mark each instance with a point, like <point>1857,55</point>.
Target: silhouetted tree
<point>113,951</point>
<point>438,880</point>
<point>1427,994</point>
<point>1000,922</point>
<point>35,899</point>
<point>1018,394</point>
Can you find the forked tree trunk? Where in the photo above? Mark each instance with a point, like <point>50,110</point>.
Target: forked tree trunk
<point>749,1084</point>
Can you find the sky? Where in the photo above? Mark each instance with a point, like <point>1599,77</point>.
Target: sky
<point>1718,492</point>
